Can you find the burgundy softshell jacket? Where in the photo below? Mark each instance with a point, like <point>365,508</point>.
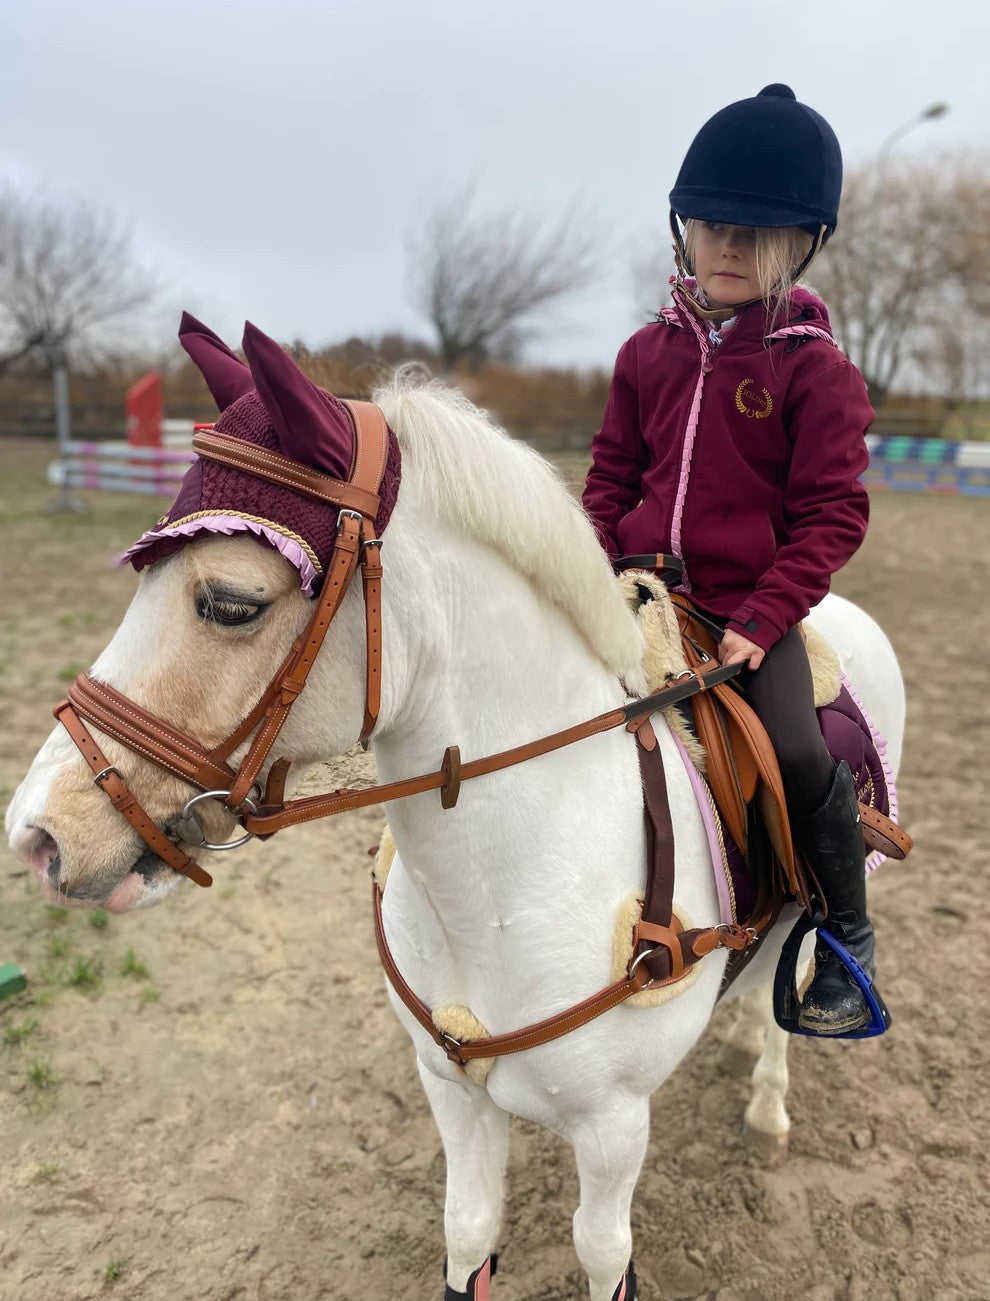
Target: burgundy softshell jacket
<point>740,453</point>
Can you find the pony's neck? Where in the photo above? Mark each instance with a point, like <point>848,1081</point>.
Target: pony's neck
<point>475,657</point>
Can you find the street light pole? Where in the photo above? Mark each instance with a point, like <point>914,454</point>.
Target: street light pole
<point>938,109</point>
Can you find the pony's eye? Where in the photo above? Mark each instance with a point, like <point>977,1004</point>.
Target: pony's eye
<point>227,611</point>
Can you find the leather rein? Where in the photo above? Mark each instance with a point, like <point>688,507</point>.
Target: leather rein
<point>95,704</point>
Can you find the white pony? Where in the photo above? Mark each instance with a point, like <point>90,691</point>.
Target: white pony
<point>502,623</point>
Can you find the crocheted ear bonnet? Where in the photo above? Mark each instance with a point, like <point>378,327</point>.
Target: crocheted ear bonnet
<point>271,403</point>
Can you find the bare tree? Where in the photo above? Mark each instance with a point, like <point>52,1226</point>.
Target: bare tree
<point>481,280</point>
<point>651,264</point>
<point>67,272</point>
<point>908,271</point>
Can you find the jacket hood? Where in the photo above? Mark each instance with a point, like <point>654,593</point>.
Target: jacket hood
<point>808,309</point>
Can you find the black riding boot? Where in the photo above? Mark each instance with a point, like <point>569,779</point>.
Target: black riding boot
<point>832,840</point>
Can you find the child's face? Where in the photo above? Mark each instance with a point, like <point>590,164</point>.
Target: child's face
<point>725,263</point>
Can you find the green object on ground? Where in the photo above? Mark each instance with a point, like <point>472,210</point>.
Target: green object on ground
<point>12,979</point>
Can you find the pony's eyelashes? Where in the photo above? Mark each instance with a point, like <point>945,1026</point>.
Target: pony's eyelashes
<point>228,609</point>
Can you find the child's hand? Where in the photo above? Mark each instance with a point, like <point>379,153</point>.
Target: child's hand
<point>735,648</point>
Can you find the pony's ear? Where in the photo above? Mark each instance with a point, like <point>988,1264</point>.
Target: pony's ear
<point>226,376</point>
<point>312,426</point>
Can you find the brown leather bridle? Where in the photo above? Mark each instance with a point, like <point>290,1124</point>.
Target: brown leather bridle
<point>663,950</point>
<point>115,714</point>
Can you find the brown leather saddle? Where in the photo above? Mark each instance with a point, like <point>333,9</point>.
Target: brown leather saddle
<point>744,775</point>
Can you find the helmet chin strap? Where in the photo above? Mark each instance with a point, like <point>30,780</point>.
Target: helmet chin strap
<point>684,269</point>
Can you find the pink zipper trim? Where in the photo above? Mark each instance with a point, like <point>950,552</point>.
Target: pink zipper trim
<point>687,450</point>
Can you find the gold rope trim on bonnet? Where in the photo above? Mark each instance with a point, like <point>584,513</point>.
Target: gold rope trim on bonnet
<point>252,519</point>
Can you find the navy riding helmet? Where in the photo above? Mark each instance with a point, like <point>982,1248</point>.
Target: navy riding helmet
<point>765,161</point>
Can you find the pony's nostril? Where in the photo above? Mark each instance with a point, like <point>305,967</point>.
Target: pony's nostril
<point>42,852</point>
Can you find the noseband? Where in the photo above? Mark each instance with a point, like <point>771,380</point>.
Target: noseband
<point>106,709</point>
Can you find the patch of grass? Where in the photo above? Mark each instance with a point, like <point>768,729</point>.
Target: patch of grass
<point>59,946</point>
<point>84,974</point>
<point>40,1074</point>
<point>133,966</point>
<point>114,1269</point>
<point>45,1173</point>
<point>149,994</point>
<point>16,1034</point>
<point>98,919</point>
<point>56,916</point>
<point>69,672</point>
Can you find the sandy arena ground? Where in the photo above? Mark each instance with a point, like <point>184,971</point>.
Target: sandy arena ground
<point>212,1099</point>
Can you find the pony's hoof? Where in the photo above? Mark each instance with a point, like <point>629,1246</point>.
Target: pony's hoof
<point>769,1148</point>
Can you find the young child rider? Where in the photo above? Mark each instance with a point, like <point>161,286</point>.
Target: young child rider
<point>734,439</point>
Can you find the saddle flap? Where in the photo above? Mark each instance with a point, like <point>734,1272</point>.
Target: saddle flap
<point>740,761</point>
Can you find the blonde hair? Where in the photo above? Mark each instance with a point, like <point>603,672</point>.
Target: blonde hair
<point>780,250</point>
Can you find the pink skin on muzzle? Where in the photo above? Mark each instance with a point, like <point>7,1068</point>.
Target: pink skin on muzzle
<point>37,848</point>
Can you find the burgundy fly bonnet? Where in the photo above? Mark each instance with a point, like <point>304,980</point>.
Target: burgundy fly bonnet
<point>268,402</point>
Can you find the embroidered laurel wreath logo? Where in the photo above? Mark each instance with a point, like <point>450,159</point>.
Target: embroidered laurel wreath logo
<point>754,403</point>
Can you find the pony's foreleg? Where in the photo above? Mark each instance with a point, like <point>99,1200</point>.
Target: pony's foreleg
<point>475,1137</point>
<point>609,1148</point>
<point>747,1037</point>
<point>767,1121</point>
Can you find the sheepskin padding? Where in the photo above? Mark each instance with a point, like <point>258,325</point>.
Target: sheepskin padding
<point>460,1023</point>
<point>826,671</point>
<point>384,857</point>
<point>630,911</point>
<point>663,658</point>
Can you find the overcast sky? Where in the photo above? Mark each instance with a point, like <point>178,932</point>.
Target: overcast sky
<point>272,157</point>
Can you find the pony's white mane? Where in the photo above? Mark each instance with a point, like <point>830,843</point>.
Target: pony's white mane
<point>504,494</point>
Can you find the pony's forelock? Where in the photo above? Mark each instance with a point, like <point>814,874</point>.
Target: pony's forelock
<point>504,494</point>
